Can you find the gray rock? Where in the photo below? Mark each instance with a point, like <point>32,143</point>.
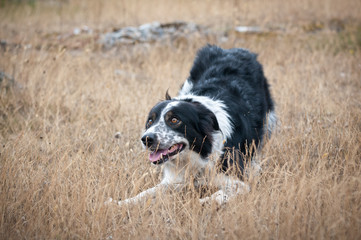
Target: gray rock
<point>149,32</point>
<point>248,29</point>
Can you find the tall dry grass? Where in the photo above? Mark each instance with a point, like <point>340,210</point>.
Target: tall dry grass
<point>60,161</point>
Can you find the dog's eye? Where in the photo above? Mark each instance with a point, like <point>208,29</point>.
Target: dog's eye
<point>150,122</point>
<point>174,120</point>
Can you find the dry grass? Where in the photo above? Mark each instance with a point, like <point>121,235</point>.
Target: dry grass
<point>60,161</point>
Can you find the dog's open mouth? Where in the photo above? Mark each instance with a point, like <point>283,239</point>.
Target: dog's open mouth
<point>162,155</point>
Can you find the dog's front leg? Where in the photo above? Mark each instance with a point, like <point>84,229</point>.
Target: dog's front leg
<point>149,193</point>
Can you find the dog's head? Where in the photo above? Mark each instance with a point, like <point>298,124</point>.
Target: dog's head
<point>175,127</point>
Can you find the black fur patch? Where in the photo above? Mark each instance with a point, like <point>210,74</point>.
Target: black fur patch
<point>198,124</point>
<point>235,77</point>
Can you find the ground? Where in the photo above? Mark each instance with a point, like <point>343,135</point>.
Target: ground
<point>72,113</point>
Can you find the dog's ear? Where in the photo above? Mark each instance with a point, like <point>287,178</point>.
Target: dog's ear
<point>167,96</point>
<point>207,118</point>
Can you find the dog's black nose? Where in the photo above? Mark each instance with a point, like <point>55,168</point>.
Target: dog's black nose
<point>148,139</point>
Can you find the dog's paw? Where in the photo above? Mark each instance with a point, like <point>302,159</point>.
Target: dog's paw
<point>109,201</point>
<point>112,201</point>
<point>120,203</point>
<point>219,197</point>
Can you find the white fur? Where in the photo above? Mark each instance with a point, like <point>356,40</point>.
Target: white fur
<point>271,122</point>
<point>217,145</point>
<point>186,88</point>
<point>186,163</point>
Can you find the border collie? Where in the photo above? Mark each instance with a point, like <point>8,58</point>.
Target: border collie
<point>221,111</point>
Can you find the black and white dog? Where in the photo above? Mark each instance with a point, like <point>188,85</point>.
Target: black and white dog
<point>222,109</point>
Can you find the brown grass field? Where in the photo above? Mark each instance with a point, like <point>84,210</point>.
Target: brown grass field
<point>60,161</point>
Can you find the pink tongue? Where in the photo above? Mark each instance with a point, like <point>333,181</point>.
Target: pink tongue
<point>155,156</point>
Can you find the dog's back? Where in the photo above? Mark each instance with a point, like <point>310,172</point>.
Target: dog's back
<point>236,78</point>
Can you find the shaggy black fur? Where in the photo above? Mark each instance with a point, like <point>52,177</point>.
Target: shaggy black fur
<point>235,77</point>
